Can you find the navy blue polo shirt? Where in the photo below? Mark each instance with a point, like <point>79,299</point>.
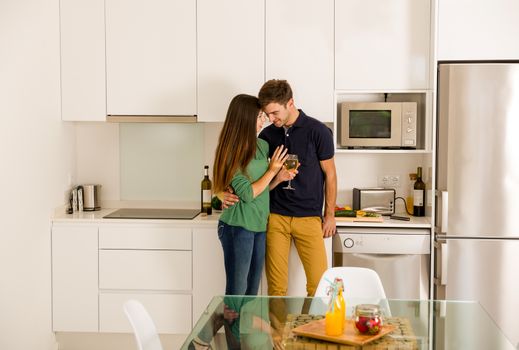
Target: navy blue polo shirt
<point>312,141</point>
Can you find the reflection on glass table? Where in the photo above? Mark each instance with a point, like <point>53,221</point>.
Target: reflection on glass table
<point>245,322</point>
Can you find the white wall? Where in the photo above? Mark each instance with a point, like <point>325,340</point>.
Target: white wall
<point>99,161</point>
<point>99,146</point>
<point>363,170</point>
<point>36,157</point>
<point>97,154</point>
<point>211,133</point>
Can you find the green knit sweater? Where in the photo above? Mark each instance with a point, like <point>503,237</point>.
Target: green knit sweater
<point>250,213</point>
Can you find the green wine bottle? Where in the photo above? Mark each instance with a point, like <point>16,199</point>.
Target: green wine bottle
<point>206,193</point>
<point>419,194</point>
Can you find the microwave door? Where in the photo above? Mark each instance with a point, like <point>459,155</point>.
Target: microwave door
<point>371,124</point>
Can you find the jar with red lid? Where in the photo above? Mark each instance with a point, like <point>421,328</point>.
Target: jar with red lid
<point>368,319</point>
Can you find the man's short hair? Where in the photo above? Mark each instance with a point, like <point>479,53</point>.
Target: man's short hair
<point>275,91</point>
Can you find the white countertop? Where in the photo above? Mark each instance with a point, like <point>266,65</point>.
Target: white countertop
<point>415,222</point>
<point>96,217</point>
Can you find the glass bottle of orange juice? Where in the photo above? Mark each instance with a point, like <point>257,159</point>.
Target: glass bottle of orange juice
<point>335,315</point>
<point>342,302</point>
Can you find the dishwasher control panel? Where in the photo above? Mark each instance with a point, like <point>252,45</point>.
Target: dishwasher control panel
<point>382,243</point>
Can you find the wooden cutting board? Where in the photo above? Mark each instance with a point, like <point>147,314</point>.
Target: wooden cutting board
<point>315,329</point>
<point>360,219</point>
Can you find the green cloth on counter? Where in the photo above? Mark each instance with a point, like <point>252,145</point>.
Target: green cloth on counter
<point>250,213</point>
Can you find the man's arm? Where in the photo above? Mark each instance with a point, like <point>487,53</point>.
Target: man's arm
<point>330,196</point>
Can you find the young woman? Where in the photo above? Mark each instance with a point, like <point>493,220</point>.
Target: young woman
<point>241,164</point>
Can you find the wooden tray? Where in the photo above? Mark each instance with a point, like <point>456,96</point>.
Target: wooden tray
<point>315,329</point>
<point>359,219</point>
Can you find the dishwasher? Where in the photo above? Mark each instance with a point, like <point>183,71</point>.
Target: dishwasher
<point>400,256</point>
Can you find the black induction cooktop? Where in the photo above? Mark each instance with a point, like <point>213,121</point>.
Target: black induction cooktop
<point>137,213</point>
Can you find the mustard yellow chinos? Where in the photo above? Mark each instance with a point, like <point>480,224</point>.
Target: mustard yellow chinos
<point>307,234</point>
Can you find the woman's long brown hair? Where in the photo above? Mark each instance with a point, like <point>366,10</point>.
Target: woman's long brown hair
<point>237,141</point>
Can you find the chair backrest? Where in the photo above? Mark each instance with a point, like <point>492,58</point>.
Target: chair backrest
<point>143,327</point>
<point>359,282</point>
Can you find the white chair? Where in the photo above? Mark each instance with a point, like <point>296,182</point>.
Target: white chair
<point>143,327</point>
<point>359,283</point>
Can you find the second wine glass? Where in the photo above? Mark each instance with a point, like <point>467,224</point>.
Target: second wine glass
<point>291,165</point>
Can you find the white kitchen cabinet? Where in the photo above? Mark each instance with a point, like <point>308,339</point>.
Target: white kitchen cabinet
<point>143,257</point>
<point>299,48</point>
<point>478,30</point>
<point>151,263</point>
<point>382,45</point>
<point>208,268</point>
<point>96,268</point>
<point>144,236</point>
<point>74,278</point>
<point>145,269</point>
<point>151,57</point>
<point>82,34</point>
<point>230,35</point>
<point>171,313</point>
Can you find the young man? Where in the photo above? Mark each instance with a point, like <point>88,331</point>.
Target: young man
<point>297,214</point>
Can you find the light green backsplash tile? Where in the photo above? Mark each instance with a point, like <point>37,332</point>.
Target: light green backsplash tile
<point>161,161</point>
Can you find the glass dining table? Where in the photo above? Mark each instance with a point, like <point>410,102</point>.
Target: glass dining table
<point>261,322</point>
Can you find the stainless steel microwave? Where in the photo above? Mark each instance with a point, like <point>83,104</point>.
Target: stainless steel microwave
<point>378,124</point>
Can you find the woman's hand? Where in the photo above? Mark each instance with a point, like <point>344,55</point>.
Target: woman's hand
<point>278,158</point>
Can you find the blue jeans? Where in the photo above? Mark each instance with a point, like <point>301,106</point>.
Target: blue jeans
<point>244,255</point>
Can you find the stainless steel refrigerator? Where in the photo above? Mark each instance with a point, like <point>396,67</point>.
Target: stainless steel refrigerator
<point>477,182</point>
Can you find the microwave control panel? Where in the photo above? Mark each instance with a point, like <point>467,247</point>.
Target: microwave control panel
<point>409,124</point>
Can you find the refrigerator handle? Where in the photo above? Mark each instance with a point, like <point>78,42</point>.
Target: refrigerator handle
<point>442,258</point>
<point>445,263</point>
<point>445,212</point>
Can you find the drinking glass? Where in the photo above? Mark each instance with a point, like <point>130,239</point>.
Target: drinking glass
<point>291,165</point>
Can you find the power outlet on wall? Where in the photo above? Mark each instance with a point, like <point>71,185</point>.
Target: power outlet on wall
<point>389,180</point>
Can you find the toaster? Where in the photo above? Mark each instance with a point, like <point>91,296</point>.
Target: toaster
<point>378,200</point>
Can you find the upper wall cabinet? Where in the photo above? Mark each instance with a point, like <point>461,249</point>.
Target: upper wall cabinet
<point>382,45</point>
<point>299,48</point>
<point>151,57</point>
<point>231,53</point>
<point>478,30</point>
<point>83,94</point>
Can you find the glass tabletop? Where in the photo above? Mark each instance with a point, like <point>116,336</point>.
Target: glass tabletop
<point>260,322</point>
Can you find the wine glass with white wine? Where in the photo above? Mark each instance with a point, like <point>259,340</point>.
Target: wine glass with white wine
<point>291,165</point>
